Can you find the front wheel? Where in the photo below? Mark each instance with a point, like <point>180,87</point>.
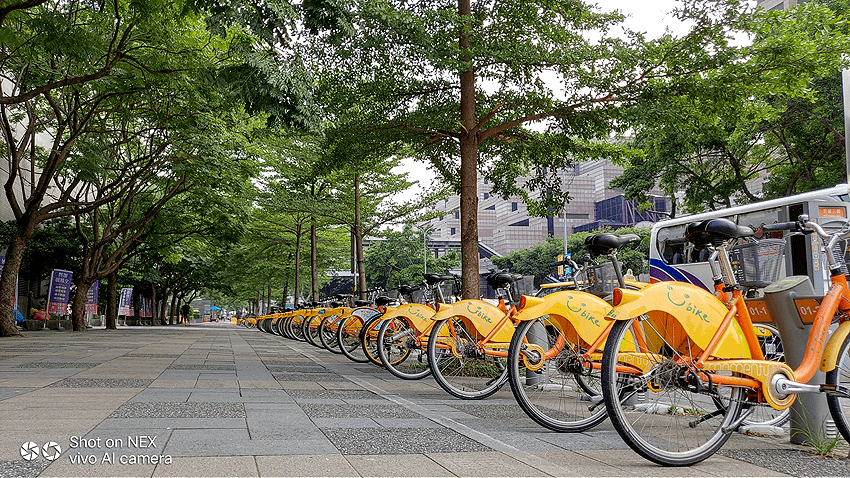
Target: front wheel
<point>403,353</point>
<point>839,406</point>
<point>665,413</point>
<point>459,364</point>
<point>562,392</point>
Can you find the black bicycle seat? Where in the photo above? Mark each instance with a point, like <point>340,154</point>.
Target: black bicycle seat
<point>407,289</point>
<point>499,280</point>
<point>604,244</point>
<point>362,303</point>
<point>713,232</point>
<point>382,300</point>
<point>432,279</point>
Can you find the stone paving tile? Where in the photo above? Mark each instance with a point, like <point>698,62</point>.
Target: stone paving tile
<point>173,423</point>
<point>7,392</point>
<point>307,465</point>
<point>793,462</point>
<point>338,394</point>
<point>486,463</point>
<point>179,410</point>
<point>101,383</point>
<point>225,466</point>
<point>206,367</point>
<point>392,441</point>
<point>397,465</point>
<point>22,469</point>
<point>356,411</point>
<point>346,423</point>
<point>307,377</point>
<point>83,365</point>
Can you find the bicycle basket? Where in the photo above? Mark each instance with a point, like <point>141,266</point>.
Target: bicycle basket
<point>840,252</point>
<point>599,279</point>
<point>757,264</point>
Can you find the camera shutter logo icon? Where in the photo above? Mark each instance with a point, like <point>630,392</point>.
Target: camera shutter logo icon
<point>51,450</point>
<point>29,451</point>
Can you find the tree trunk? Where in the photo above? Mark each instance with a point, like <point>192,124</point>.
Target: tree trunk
<point>468,170</point>
<point>78,304</point>
<point>297,292</point>
<point>173,310</point>
<point>9,279</point>
<point>269,299</point>
<point>154,312</point>
<point>112,301</point>
<point>358,240</point>
<point>314,261</point>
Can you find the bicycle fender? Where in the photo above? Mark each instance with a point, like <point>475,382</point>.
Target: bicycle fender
<point>830,352</point>
<point>698,312</point>
<point>420,315</point>
<point>586,312</point>
<point>484,317</point>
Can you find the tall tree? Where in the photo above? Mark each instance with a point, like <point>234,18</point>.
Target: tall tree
<point>720,138</point>
<point>467,88</point>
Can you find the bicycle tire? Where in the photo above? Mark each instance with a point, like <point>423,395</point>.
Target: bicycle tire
<point>555,395</point>
<point>402,353</point>
<point>348,336</point>
<point>369,340</point>
<point>671,425</point>
<point>295,327</point>
<point>327,334</point>
<point>458,366</point>
<point>308,331</point>
<point>839,406</point>
<point>276,327</point>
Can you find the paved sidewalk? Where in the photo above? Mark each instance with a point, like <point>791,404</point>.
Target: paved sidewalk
<point>220,400</point>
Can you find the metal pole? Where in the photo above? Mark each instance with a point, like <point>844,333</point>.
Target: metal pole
<point>845,87</point>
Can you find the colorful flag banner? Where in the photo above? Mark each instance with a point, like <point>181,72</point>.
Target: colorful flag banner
<point>125,302</point>
<point>59,292</point>
<point>91,298</point>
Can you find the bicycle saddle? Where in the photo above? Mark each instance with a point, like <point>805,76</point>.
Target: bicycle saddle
<point>407,289</point>
<point>604,244</point>
<point>499,280</point>
<point>382,300</point>
<point>713,232</point>
<point>432,279</point>
<point>362,303</point>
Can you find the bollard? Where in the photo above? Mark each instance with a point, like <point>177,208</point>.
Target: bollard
<point>810,418</point>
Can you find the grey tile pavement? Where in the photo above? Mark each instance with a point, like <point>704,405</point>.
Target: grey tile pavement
<point>219,400</point>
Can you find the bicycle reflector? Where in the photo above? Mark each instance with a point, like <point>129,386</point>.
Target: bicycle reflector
<point>529,301</point>
<point>624,296</point>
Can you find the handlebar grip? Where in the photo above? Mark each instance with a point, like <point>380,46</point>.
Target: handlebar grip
<point>781,226</point>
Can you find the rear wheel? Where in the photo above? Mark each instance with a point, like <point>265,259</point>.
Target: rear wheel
<point>327,333</point>
<point>459,365</point>
<point>839,406</point>
<point>561,393</point>
<point>666,414</point>
<point>403,353</point>
<point>348,336</point>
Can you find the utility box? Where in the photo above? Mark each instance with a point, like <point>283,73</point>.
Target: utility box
<point>791,303</point>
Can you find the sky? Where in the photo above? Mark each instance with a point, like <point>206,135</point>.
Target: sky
<point>650,17</point>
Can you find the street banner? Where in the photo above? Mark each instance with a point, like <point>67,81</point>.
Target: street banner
<point>125,302</point>
<point>59,292</point>
<point>91,298</point>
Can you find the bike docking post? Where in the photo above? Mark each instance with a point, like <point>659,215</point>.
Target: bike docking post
<point>791,303</point>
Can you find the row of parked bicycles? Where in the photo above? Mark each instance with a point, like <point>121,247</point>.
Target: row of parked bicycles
<point>675,367</point>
